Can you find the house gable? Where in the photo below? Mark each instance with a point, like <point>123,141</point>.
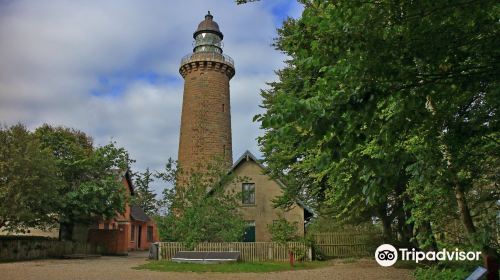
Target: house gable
<point>248,156</point>
<point>127,180</point>
<point>266,189</point>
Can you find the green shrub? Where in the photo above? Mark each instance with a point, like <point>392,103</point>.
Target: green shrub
<point>408,265</point>
<point>435,273</point>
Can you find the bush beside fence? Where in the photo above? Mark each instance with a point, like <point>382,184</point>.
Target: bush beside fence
<point>37,248</point>
<point>250,251</point>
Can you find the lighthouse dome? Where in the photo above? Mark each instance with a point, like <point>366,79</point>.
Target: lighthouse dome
<point>208,25</point>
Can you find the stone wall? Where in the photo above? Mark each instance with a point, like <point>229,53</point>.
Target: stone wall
<point>23,248</point>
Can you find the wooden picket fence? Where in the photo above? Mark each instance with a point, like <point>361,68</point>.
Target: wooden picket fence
<point>250,251</point>
<point>344,245</point>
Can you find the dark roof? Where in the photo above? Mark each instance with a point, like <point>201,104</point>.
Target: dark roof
<point>247,155</point>
<point>138,214</point>
<point>208,25</point>
<point>125,173</point>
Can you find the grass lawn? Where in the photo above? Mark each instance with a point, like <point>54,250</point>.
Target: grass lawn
<point>228,267</point>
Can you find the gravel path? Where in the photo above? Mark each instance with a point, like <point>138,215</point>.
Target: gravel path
<point>121,268</point>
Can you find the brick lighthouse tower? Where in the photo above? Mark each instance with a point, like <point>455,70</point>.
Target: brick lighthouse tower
<point>206,116</point>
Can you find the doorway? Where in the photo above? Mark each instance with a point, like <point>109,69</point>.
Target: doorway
<point>139,237</point>
<point>249,235</point>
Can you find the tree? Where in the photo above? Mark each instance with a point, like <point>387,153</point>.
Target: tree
<point>392,104</point>
<point>91,188</point>
<point>201,210</point>
<point>283,231</point>
<point>28,181</point>
<point>144,196</point>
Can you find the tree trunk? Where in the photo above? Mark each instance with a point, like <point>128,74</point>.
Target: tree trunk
<point>490,256</point>
<point>405,229</point>
<point>464,211</point>
<point>66,231</point>
<point>463,208</point>
<point>426,230</point>
<point>386,229</point>
<point>386,223</point>
<point>406,233</point>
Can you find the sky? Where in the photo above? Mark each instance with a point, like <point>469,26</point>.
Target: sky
<point>110,67</point>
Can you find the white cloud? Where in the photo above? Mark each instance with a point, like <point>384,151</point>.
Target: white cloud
<point>79,64</point>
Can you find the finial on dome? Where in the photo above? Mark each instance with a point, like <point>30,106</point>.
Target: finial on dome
<point>209,16</point>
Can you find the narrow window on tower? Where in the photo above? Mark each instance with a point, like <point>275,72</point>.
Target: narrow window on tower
<point>224,150</point>
<point>223,108</point>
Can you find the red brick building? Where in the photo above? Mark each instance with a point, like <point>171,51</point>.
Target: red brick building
<point>132,230</point>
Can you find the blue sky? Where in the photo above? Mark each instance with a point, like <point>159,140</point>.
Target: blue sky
<point>110,68</point>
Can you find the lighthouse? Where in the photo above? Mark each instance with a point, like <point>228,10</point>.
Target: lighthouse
<point>205,133</point>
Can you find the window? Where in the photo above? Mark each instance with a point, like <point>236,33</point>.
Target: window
<point>207,42</point>
<point>223,107</point>
<point>132,233</point>
<point>150,234</point>
<point>106,225</point>
<point>248,192</point>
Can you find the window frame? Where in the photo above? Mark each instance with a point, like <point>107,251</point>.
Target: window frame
<point>248,195</point>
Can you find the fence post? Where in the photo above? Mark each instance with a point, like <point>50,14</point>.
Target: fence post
<point>310,253</point>
<point>270,252</point>
<point>159,251</point>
